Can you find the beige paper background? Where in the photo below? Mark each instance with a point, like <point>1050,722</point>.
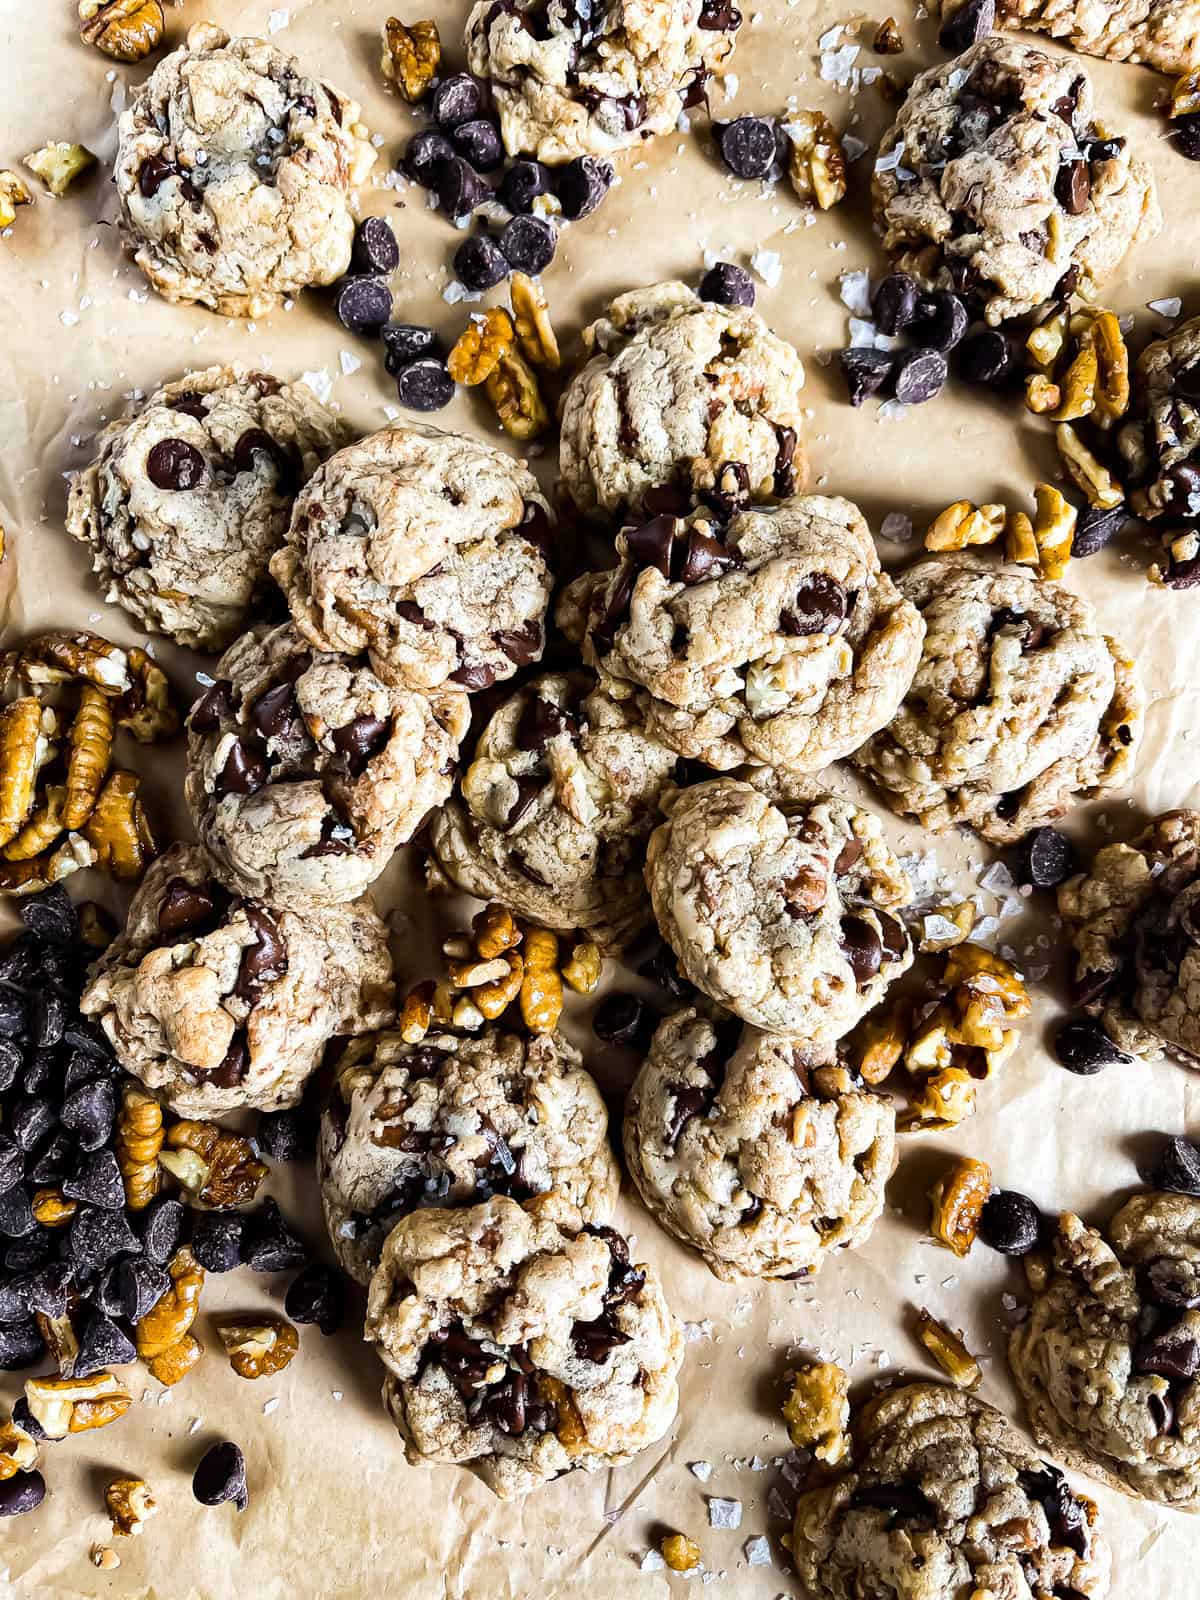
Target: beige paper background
<point>334,1510</point>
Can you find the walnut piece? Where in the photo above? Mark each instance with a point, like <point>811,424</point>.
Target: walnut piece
<point>18,1450</point>
<point>949,1351</point>
<point>130,1505</point>
<point>1053,530</point>
<point>480,347</point>
<point>1086,470</point>
<point>887,40</point>
<point>516,399</point>
<point>817,1411</point>
<point>494,931</point>
<point>963,524</point>
<point>957,1200</point>
<point>817,162</point>
<point>259,1349</point>
<point>59,164</point>
<point>127,30</point>
<point>52,1208</point>
<point>74,1405</point>
<point>412,53</point>
<point>176,1361</point>
<point>14,192</point>
<point>541,988</point>
<point>582,972</point>
<point>220,1169</point>
<point>876,1045</point>
<point>166,1325</point>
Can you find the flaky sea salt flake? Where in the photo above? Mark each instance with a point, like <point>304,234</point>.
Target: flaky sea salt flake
<point>724,1513</point>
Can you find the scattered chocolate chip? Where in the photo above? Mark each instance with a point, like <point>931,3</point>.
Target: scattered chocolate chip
<point>363,304</point>
<point>405,342</point>
<point>12,1163</point>
<point>97,1182</point>
<point>1010,1222</point>
<point>523,182</point>
<point>174,465</point>
<point>456,100</point>
<point>318,1296</point>
<point>920,376</point>
<point>896,303</point>
<point>1096,528</point>
<point>985,358</point>
<point>582,184</point>
<point>1173,1353</point>
<point>941,322</point>
<point>90,1111</point>
<point>818,606</point>
<point>95,1237</point>
<point>1184,132</point>
<point>1044,858</point>
<point>221,1476</point>
<point>136,1286</point>
<point>965,26</point>
<point>865,371</point>
<point>460,189</point>
<point>101,1344</point>
<point>862,948</point>
<point>375,250</point>
<point>425,156</point>
<point>1084,1047</point>
<point>269,1245</point>
<point>50,915</point>
<point>1178,1166</point>
<point>287,1135</point>
<point>725,284</point>
<point>23,1492</point>
<point>478,142</point>
<point>747,146</point>
<point>30,1120</point>
<point>623,1019</point>
<point>217,1240</point>
<point>425,386</point>
<point>162,1229</point>
<point>528,244</point>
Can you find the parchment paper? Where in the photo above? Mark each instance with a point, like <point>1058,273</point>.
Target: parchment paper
<point>334,1509</point>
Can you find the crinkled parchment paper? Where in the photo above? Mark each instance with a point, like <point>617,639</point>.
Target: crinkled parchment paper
<point>334,1509</point>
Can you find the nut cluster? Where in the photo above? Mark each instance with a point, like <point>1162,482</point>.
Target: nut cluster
<point>500,349</point>
<point>411,55</point>
<point>1042,541</point>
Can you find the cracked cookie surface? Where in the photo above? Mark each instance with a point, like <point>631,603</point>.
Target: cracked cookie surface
<point>756,1151</point>
<point>234,171</point>
<point>1018,706</point>
<point>1164,34</point>
<point>306,771</point>
<point>216,1002</point>
<point>593,79</point>
<point>676,390</point>
<point>942,1497</point>
<point>452,1121</point>
<point>777,912</point>
<point>425,550</point>
<point>1160,446</point>
<point>994,181</point>
<point>1108,1357</point>
<point>771,636</point>
<point>189,497</point>
<point>554,810</point>
<point>520,1347</point>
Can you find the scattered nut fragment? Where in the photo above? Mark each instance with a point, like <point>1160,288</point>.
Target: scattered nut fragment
<point>679,1552</point>
<point>1053,530</point>
<point>119,830</point>
<point>259,1349</point>
<point>166,1324</point>
<point>146,708</point>
<point>20,741</point>
<point>877,1044</point>
<point>817,1411</point>
<point>59,164</point>
<point>495,931</point>
<point>138,1142</point>
<point>58,1335</point>
<point>1020,546</point>
<point>130,1505</point>
<point>1112,391</point>
<point>18,1450</point>
<point>1047,341</point>
<point>582,972</point>
<point>176,1361</point>
<point>541,987</point>
<point>513,391</point>
<point>224,1170</point>
<point>127,30</point>
<point>480,347</point>
<point>949,1351</point>
<point>817,162</point>
<point>1086,470</point>
<point>945,1098</point>
<point>887,40</point>
<point>963,524</point>
<point>1185,95</point>
<point>57,657</point>
<point>957,1200</point>
<point>74,1405</point>
<point>416,1013</point>
<point>105,1557</point>
<point>411,56</point>
<point>494,998</point>
<point>14,192</point>
<point>52,1209</point>
<point>531,317</point>
<point>1042,395</point>
<point>947,926</point>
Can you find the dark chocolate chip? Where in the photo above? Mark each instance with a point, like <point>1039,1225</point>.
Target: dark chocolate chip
<point>375,250</point>
<point>456,100</point>
<point>1010,1222</point>
<point>1178,1166</point>
<point>101,1344</point>
<point>972,21</point>
<point>460,189</point>
<point>478,142</point>
<point>896,303</point>
<point>582,184</point>
<point>920,376</point>
<point>363,304</point>
<point>1184,133</point>
<point>89,1111</point>
<point>185,907</point>
<point>255,444</point>
<point>480,263</point>
<point>318,1296</point>
<point>941,324</point>
<point>12,1163</point>
<point>175,465</point>
<point>1073,186</point>
<point>95,1237</point>
<point>163,1228</point>
<point>1173,1354</point>
<point>405,342</point>
<point>651,544</point>
<point>269,1244</point>
<point>140,1285</point>
<point>217,1240</point>
<point>1162,1411</point>
<point>1173,1284</point>
<point>265,961</point>
<point>50,915</point>
<point>985,358</point>
<point>212,708</point>
<point>425,156</point>
<point>275,710</point>
<point>30,1120</point>
<point>865,371</point>
<point>1084,1047</point>
<point>703,558</point>
<point>720,16</point>
<point>52,1161</point>
<point>1096,528</point>
<point>47,1018</point>
<point>361,740</point>
<point>475,676</point>
<point>892,937</point>
<point>21,1345</point>
<point>287,1135</point>
<point>528,244</point>
<point>725,284</point>
<point>595,1341</point>
<point>616,607</point>
<point>221,1476</point>
<point>523,183</point>
<point>244,772</point>
<point>1044,858</point>
<point>10,1065</point>
<point>688,1100</point>
<point>623,1019</point>
<point>23,1492</point>
<point>424,386</point>
<point>97,1182</point>
<point>747,145</point>
<point>901,1499</point>
<point>818,606</point>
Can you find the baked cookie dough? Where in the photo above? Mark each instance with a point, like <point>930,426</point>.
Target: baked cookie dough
<point>758,1152</point>
<point>777,911</point>
<point>553,813</point>
<point>216,1002</point>
<point>234,171</point>
<point>1108,1357</point>
<point>680,393</point>
<point>1164,34</point>
<point>305,771</point>
<point>1018,707</point>
<point>1160,445</point>
<point>189,496</point>
<point>452,1121</point>
<point>1134,922</point>
<point>590,80</point>
<point>771,637</point>
<point>942,1498</point>
<point>518,1345</point>
<point>424,549</point>
<point>996,181</point>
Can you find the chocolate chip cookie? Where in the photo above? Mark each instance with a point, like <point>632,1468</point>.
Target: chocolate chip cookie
<point>777,911</point>
<point>576,79</point>
<point>189,497</point>
<point>426,550</point>
<point>305,770</point>
<point>1164,34</point>
<point>997,181</point>
<point>1160,446</point>
<point>234,172</point>
<point>1019,705</point>
<point>758,1152</point>
<point>1108,1357</point>
<point>216,1002</point>
<point>942,1497</point>
<point>520,1346</point>
<point>452,1121</point>
<point>679,393</point>
<point>1135,928</point>
<point>553,812</point>
<point>763,635</point>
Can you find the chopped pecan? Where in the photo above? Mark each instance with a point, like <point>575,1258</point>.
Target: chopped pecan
<point>480,347</point>
<point>513,391</point>
<point>147,708</point>
<point>1020,546</point>
<point>817,162</point>
<point>946,1098</point>
<point>878,1042</point>
<point>541,987</point>
<point>582,972</point>
<point>118,828</point>
<point>89,751</point>
<point>127,30</point>
<point>42,829</point>
<point>52,1209</point>
<point>18,1450</point>
<point>259,1349</point>
<point>416,1013</point>
<point>1185,95</point>
<point>957,1200</point>
<point>21,743</point>
<point>817,1410</point>
<point>176,1361</point>
<point>494,998</point>
<point>531,317</point>
<point>138,1142</point>
<point>411,55</point>
<point>950,1352</point>
<point>57,657</point>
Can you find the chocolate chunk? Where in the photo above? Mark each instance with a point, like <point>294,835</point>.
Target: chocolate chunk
<point>47,1018</point>
<point>475,676</point>
<point>480,263</point>
<point>985,358</point>
<point>528,244</point>
<point>523,183</point>
<point>460,189</point>
<point>255,443</point>
<point>897,302</point>
<point>1010,1222</point>
<point>582,184</point>
<point>1173,1285</point>
<point>221,1476</point>
<point>363,304</point>
<point>688,1100</point>
<point>405,342</point>
<point>902,1500</point>
<point>234,1064</point>
<point>89,1111</point>
<point>941,322</point>
<point>818,606</point>
<point>269,1245</point>
<point>217,1240</point>
<point>456,100</point>
<point>1083,1047</point>
<point>318,1296</point>
<point>1184,132</point>
<point>361,740</point>
<point>101,1344</point>
<point>616,607</point>
<point>97,1182</point>
<point>596,1340</point>
<point>1173,1354</point>
<point>1096,528</point>
<point>24,1491</point>
<point>337,838</point>
<point>478,142</point>
<point>53,1161</point>
<point>1044,858</point>
<point>163,1229</point>
<point>275,711</point>
<point>175,465</point>
<point>425,386</point>
<point>1178,1166</point>
<point>1162,1411</point>
<point>540,721</point>
<point>964,27</point>
<point>865,371</point>
<point>244,772</point>
<point>892,937</point>
<point>529,789</point>
<point>747,146</point>
<point>264,962</point>
<point>623,1019</point>
<point>375,250</point>
<point>287,1135</point>
<point>651,544</point>
<point>521,645</point>
<point>720,16</point>
<point>727,285</point>
<point>920,376</point>
<point>184,908</point>
<point>862,948</point>
<point>1073,186</point>
<point>784,473</point>
<point>10,1065</point>
<point>427,153</point>
<point>47,1289</point>
<point>704,558</point>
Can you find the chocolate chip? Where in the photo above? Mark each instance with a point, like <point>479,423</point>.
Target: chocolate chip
<point>101,1344</point>
<point>244,772</point>
<point>902,1500</point>
<point>47,1288</point>
<point>623,1019</point>
<point>688,1100</point>
<point>1010,1222</point>
<point>269,1245</point>
<point>255,443</point>
<point>405,342</point>
<point>865,371</point>
<point>24,1418</point>
<point>47,1018</point>
<point>920,376</point>
<point>651,544</point>
<point>456,100</point>
<point>1105,149</point>
<point>523,183</point>
<point>213,707</point>
<point>1162,1411</point>
<point>23,1492</point>
<point>475,676</point>
<point>616,607</point>
<point>425,156</point>
<point>720,16</point>
<point>941,322</point>
<point>704,558</point>
<point>425,386</point>
<point>478,142</point>
<point>1172,1354</point>
<point>528,244</point>
<point>1084,1047</point>
<point>221,1476</point>
<point>460,189</point>
<point>727,285</point>
<point>275,711</point>
<point>582,184</point>
<point>30,1120</point>
<point>90,1111</point>
<point>95,1237</point>
<point>97,1182</point>
<point>896,303</point>
<point>783,473</point>
<point>862,948</point>
<point>363,304</point>
<point>175,465</point>
<point>361,740</point>
<point>1073,186</point>
<point>662,968</point>
<point>964,27</point>
<point>375,250</point>
<point>747,146</point>
<point>138,1286</point>
<point>892,937</point>
<point>337,839</point>
<point>818,606</point>
<point>318,1296</point>
<point>985,358</point>
<point>1044,858</point>
<point>12,1163</point>
<point>54,1160</point>
<point>287,1135</point>
<point>217,1240</point>
<point>521,645</point>
<point>596,1340</point>
<point>162,1229</point>
<point>1184,132</point>
<point>1095,528</point>
<point>263,962</point>
<point>1178,1166</point>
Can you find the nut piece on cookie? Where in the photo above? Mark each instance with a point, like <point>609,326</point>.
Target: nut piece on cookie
<point>214,1001</point>
<point>520,1345</point>
<point>234,172</point>
<point>452,1121</point>
<point>760,1154</point>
